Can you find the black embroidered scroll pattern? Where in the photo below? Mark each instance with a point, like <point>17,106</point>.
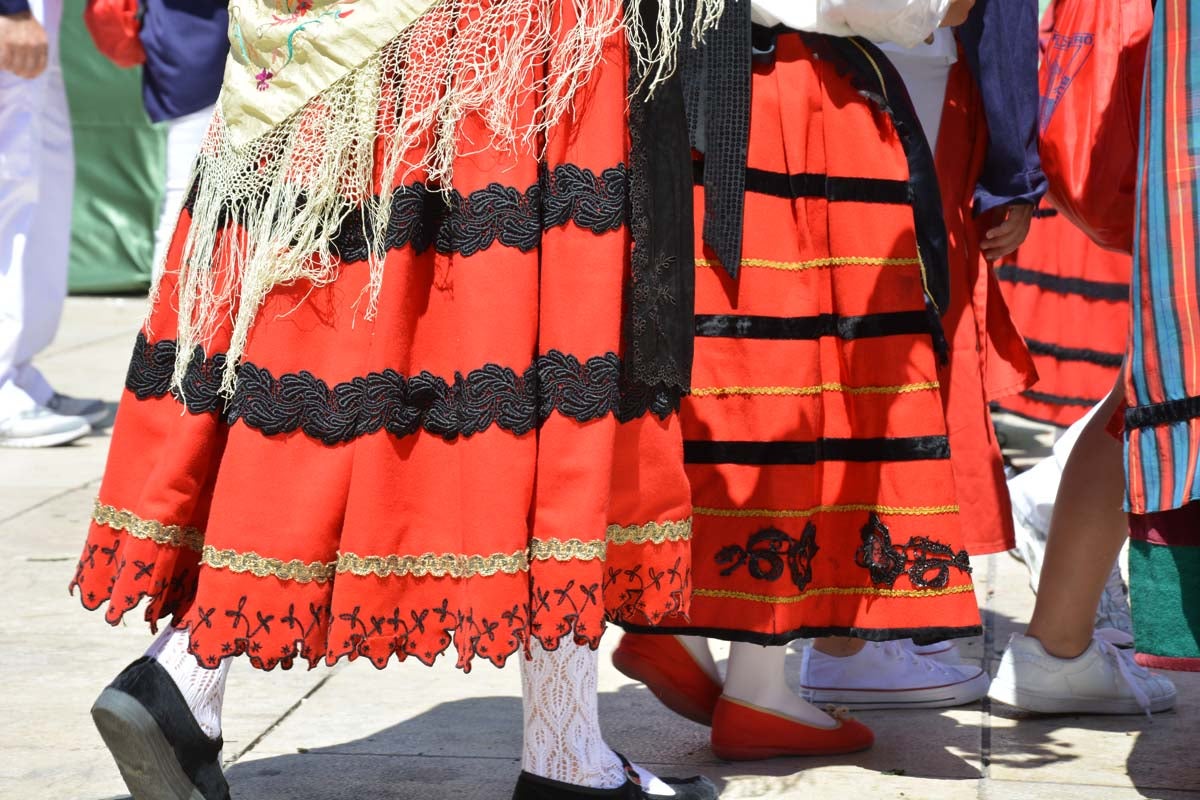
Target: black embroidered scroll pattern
<point>467,224</point>
<point>468,404</point>
<point>769,552</point>
<point>926,563</point>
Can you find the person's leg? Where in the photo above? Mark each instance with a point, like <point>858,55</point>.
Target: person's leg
<point>49,234</point>
<point>563,741</point>
<point>1087,530</point>
<point>756,676</point>
<point>184,138</point>
<point>203,689</point>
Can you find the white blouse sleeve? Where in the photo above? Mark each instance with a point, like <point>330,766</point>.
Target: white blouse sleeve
<point>905,22</point>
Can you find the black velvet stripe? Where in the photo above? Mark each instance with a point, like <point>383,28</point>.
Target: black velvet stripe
<point>1093,290</point>
<point>453,222</point>
<point>464,405</point>
<point>1167,413</point>
<point>808,184</point>
<point>1044,212</point>
<point>763,454</point>
<point>808,632</point>
<point>1060,399</point>
<point>1097,357</point>
<point>734,326</point>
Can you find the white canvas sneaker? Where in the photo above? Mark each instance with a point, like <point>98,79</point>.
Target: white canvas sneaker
<point>1103,680</point>
<point>41,427</point>
<point>888,675</point>
<point>1113,615</point>
<point>94,411</point>
<point>943,652</point>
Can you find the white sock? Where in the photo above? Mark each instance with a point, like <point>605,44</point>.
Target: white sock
<point>203,689</point>
<point>563,741</point>
<point>756,676</point>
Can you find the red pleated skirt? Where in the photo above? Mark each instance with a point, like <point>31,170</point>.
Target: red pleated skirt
<point>1070,298</point>
<point>815,436</point>
<point>466,467</point>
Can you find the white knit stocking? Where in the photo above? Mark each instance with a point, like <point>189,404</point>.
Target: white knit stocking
<point>563,741</point>
<point>203,689</point>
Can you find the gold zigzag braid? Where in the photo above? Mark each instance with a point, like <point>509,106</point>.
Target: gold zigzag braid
<point>799,513</point>
<point>148,529</point>
<point>806,391</point>
<point>864,591</point>
<point>817,263</point>
<point>439,565</point>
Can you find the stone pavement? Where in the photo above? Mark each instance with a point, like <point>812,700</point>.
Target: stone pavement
<point>413,732</point>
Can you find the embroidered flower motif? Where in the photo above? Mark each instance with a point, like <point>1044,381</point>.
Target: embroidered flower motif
<point>264,79</point>
<point>926,563</point>
<point>769,551</point>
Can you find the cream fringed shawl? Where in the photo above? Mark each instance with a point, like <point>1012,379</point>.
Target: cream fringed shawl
<point>322,95</point>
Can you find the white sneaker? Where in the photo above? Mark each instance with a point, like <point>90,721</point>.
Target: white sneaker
<point>1113,616</point>
<point>94,411</point>
<point>943,652</point>
<point>41,427</point>
<point>1031,548</point>
<point>1104,680</point>
<point>888,675</point>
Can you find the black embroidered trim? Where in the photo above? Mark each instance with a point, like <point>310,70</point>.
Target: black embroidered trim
<point>768,551</point>
<point>733,326</point>
<point>1093,290</point>
<point>1059,399</point>
<point>423,217</point>
<point>917,448</point>
<point>387,401</point>
<point>1044,212</point>
<point>1167,413</point>
<point>811,184</point>
<point>1061,353</point>
<point>805,632</point>
<point>926,563</point>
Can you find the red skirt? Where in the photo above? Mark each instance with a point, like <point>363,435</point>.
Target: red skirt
<point>815,435</point>
<point>1071,300</point>
<point>988,358</point>
<point>465,466</point>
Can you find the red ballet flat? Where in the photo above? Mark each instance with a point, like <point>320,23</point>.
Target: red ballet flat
<point>742,732</point>
<point>670,673</point>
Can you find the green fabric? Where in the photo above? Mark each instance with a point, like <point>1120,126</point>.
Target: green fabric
<point>1165,594</point>
<point>119,167</point>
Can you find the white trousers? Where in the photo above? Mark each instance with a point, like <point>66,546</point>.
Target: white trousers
<point>184,138</point>
<point>37,177</point>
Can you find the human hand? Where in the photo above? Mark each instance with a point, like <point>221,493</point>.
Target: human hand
<point>1005,238</point>
<point>23,46</point>
<point>957,13</point>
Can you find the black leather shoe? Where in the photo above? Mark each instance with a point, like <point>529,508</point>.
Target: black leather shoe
<point>158,746</point>
<point>535,787</point>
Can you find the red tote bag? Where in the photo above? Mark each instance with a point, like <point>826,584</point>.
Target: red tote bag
<point>1091,85</point>
<point>114,26</point>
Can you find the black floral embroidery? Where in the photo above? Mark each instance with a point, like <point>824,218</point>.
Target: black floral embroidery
<point>387,401</point>
<point>770,551</point>
<point>276,634</point>
<point>926,563</point>
<point>466,224</point>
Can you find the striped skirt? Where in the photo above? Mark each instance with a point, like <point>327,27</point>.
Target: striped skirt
<point>1163,381</point>
<point>1070,298</point>
<point>815,437</point>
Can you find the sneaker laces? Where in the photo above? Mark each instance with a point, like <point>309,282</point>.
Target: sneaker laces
<point>1131,672</point>
<point>899,652</point>
<point>1113,611</point>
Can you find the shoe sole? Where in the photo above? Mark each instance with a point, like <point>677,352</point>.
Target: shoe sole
<point>1037,703</point>
<point>661,687</point>
<point>47,440</point>
<point>760,753</point>
<point>144,756</point>
<point>958,694</point>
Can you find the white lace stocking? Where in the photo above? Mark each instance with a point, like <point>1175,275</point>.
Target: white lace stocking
<point>203,689</point>
<point>563,741</point>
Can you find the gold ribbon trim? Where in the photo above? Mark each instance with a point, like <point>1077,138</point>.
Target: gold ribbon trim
<point>148,529</point>
<point>863,591</point>
<point>801,513</point>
